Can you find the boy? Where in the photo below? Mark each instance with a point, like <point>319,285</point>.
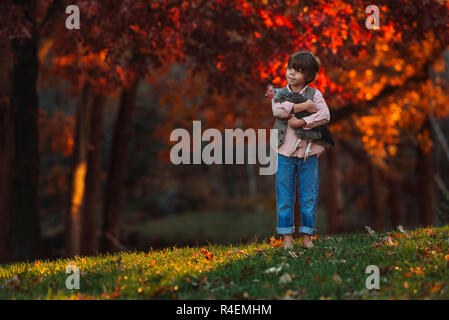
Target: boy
<point>302,69</point>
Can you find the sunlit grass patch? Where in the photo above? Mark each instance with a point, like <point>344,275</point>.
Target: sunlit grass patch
<point>412,265</point>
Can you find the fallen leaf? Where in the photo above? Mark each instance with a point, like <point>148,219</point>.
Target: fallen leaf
<point>209,255</point>
<point>436,287</point>
<point>285,278</point>
<point>370,231</point>
<point>278,269</point>
<point>337,278</point>
<point>431,233</point>
<point>390,242</point>
<point>12,283</point>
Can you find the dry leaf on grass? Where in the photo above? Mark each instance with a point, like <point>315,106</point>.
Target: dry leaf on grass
<point>370,231</point>
<point>278,269</point>
<point>285,278</point>
<point>337,278</point>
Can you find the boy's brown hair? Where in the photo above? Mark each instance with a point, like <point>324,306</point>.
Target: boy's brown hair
<point>305,62</point>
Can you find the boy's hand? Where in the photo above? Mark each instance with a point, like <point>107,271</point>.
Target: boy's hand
<point>296,123</point>
<point>308,106</point>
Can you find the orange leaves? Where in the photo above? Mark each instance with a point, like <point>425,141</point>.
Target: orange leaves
<point>382,128</point>
<point>387,241</point>
<point>245,7</point>
<point>439,64</point>
<point>283,21</point>
<point>277,80</point>
<point>437,287</point>
<point>390,242</point>
<point>116,293</point>
<point>220,65</point>
<point>352,73</point>
<point>267,20</point>
<point>280,20</point>
<point>426,287</point>
<point>275,243</point>
<point>400,235</point>
<point>138,30</point>
<point>425,140</point>
<point>209,255</point>
<point>417,271</point>
<point>64,61</point>
<point>56,133</point>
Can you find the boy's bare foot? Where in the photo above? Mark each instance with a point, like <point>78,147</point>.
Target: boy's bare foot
<point>288,241</point>
<point>307,241</point>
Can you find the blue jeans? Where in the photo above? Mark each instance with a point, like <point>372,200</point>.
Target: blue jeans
<point>307,173</point>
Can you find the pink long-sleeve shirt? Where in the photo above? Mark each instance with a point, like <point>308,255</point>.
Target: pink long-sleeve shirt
<point>320,117</point>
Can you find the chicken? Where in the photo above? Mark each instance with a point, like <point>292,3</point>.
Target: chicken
<point>319,135</point>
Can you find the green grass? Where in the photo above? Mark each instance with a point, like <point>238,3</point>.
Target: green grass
<point>414,268</point>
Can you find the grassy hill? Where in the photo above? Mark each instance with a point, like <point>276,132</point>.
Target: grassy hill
<point>412,265</point>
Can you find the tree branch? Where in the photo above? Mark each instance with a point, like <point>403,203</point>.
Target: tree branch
<point>50,13</point>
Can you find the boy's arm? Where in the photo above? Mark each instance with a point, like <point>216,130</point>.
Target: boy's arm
<point>321,116</point>
<point>281,109</point>
<point>298,107</point>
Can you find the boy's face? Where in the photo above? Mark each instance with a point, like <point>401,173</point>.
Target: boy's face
<point>294,78</point>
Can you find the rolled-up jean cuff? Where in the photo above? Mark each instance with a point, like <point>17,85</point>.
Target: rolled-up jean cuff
<point>307,230</point>
<point>285,230</point>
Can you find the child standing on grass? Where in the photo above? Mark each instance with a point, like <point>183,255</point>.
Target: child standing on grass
<point>302,69</point>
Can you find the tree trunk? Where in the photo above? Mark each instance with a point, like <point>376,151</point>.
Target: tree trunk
<point>395,199</point>
<point>425,189</point>
<point>25,173</point>
<point>377,214</point>
<point>334,197</point>
<point>89,244</point>
<point>77,177</point>
<point>6,154</point>
<point>113,204</point>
